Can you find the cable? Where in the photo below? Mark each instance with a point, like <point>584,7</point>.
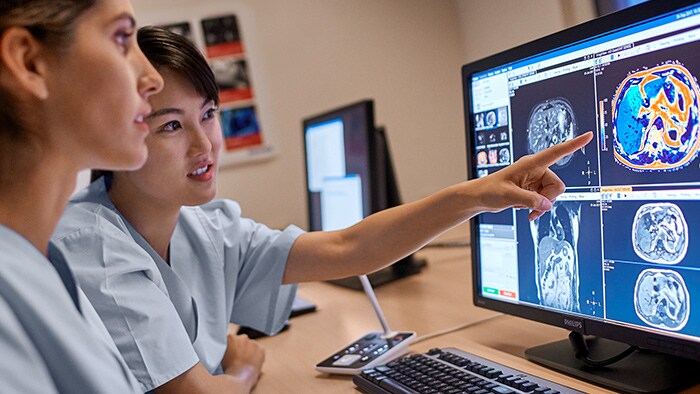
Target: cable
<point>377,309</point>
<point>453,329</point>
<point>578,342</point>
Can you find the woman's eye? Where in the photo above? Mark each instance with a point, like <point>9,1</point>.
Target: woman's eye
<point>123,38</point>
<point>171,126</point>
<point>211,113</point>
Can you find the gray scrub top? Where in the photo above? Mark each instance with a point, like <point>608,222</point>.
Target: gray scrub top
<point>165,318</point>
<point>46,344</point>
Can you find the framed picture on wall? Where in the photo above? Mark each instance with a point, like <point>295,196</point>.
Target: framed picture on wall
<point>220,40</point>
<point>240,128</point>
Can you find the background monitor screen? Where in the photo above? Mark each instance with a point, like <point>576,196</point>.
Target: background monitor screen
<point>339,166</point>
<point>349,176</point>
<point>617,256</point>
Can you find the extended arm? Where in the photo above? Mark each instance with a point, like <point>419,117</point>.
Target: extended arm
<point>387,236</point>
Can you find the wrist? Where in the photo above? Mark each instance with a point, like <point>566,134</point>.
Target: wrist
<point>469,197</point>
<point>246,375</point>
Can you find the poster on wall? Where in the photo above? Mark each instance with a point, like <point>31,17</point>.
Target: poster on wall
<point>182,29</point>
<point>222,44</point>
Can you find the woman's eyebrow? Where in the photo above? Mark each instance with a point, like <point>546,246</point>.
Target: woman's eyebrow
<point>125,15</point>
<point>164,111</point>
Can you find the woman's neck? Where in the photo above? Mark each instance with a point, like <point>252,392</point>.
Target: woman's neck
<point>153,219</point>
<point>33,205</point>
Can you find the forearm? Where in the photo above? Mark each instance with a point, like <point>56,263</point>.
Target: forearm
<point>387,236</point>
<point>381,239</point>
<point>238,380</point>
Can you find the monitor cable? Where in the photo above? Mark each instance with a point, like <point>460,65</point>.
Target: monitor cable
<point>578,342</point>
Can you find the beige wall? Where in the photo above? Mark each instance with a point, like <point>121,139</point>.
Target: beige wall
<point>516,21</point>
<point>307,56</point>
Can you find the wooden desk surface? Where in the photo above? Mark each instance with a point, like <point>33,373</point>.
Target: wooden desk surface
<point>436,299</point>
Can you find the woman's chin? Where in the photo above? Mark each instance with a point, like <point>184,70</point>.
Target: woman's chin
<point>124,161</point>
<point>200,199</point>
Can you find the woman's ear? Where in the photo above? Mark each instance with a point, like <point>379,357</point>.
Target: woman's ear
<point>23,62</point>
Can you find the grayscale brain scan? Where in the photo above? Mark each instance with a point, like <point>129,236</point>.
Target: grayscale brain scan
<point>504,155</point>
<point>661,299</point>
<point>660,233</point>
<point>551,122</point>
<point>555,235</point>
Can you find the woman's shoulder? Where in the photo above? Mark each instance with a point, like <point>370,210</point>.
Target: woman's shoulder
<point>90,211</point>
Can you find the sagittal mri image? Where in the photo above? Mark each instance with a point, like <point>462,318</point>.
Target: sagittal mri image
<point>655,119</point>
<point>555,235</point>
<point>551,122</point>
<point>660,233</point>
<point>661,299</point>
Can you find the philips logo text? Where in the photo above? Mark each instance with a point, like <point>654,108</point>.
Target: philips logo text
<point>578,324</point>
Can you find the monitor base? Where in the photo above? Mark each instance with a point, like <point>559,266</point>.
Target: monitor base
<point>641,372</point>
<point>401,269</point>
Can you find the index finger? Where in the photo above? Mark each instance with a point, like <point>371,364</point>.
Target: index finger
<point>552,154</point>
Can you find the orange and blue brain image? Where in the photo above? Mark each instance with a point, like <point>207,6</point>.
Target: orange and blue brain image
<point>655,119</point>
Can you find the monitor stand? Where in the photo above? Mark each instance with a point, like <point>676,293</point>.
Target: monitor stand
<point>641,372</point>
<point>401,269</point>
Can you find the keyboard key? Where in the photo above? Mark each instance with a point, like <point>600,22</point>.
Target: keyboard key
<point>502,390</point>
<point>395,388</point>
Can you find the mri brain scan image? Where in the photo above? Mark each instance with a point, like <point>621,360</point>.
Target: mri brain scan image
<point>555,235</point>
<point>655,119</point>
<point>661,299</point>
<point>660,233</point>
<point>551,122</point>
<point>491,119</point>
<point>504,155</point>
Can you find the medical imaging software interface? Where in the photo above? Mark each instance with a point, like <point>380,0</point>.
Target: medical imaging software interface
<point>622,243</point>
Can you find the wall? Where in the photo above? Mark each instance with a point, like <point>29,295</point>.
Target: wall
<point>307,56</point>
<point>489,27</point>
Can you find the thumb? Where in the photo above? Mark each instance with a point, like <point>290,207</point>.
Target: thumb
<point>531,200</point>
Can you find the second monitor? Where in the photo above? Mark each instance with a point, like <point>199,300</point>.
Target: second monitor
<point>349,176</point>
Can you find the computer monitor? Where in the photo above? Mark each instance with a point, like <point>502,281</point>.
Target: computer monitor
<point>618,256</point>
<point>349,176</point>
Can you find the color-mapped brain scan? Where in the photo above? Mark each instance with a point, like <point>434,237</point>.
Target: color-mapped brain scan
<point>661,299</point>
<point>660,233</point>
<point>551,122</point>
<point>655,119</point>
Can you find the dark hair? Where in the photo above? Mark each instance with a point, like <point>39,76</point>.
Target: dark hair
<point>168,50</point>
<point>52,23</point>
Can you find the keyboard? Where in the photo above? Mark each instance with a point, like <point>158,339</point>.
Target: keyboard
<point>451,371</point>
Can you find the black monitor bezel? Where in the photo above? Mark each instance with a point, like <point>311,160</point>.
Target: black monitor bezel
<point>633,336</point>
<point>367,106</point>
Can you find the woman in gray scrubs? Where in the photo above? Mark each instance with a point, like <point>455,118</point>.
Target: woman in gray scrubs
<point>53,55</point>
<point>167,267</point>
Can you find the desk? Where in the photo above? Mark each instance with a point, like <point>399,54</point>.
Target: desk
<point>436,299</point>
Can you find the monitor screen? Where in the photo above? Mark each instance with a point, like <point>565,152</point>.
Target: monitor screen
<point>339,166</point>
<point>617,256</point>
<point>349,176</point>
